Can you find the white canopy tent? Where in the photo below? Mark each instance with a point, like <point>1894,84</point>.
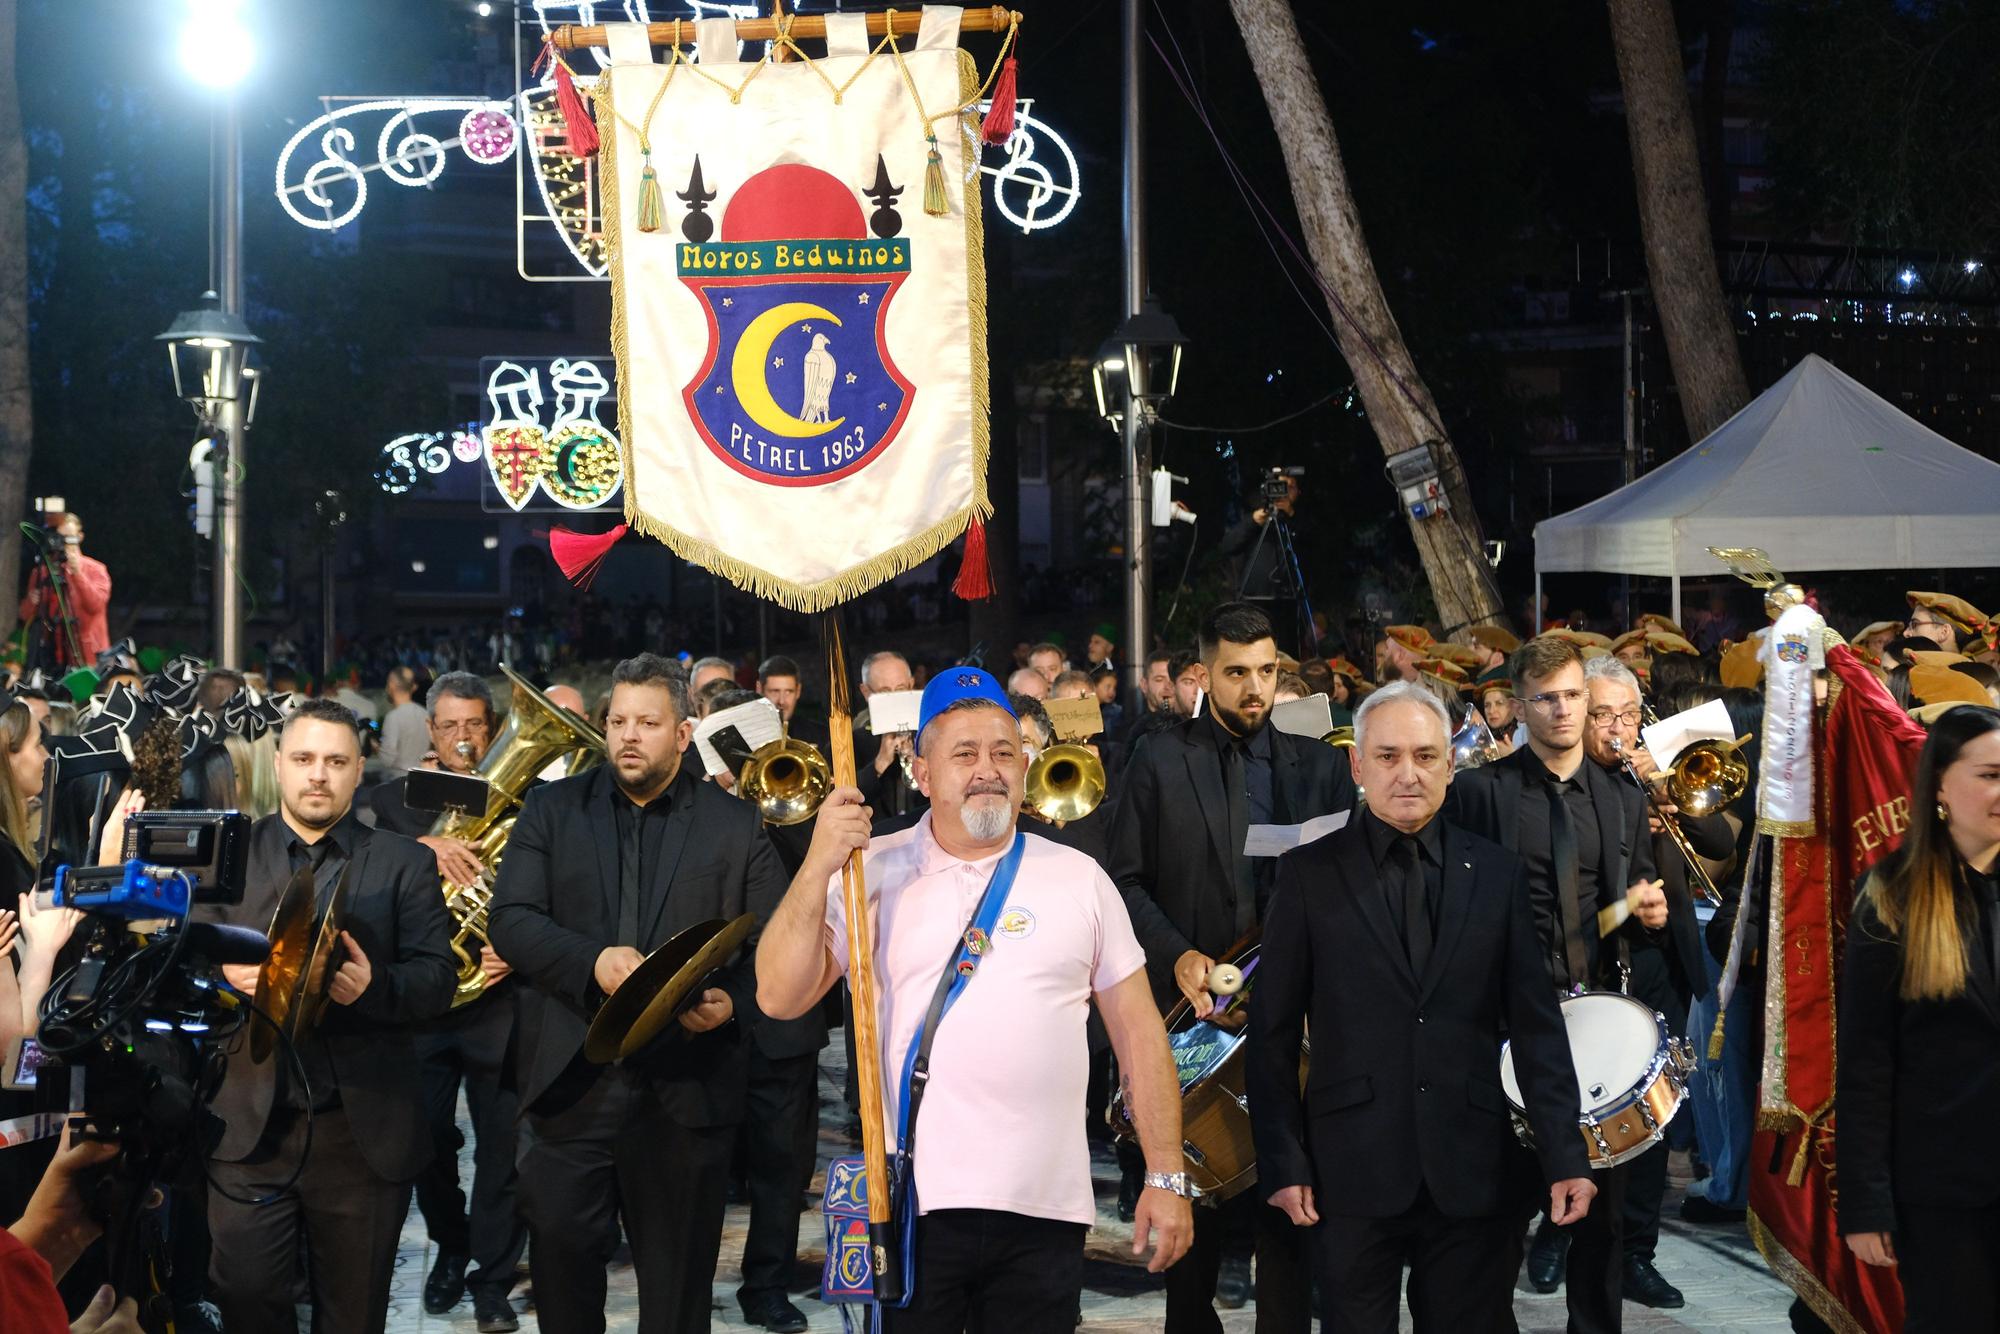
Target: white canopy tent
<point>1816,470</point>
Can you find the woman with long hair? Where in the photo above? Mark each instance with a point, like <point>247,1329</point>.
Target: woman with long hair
<point>1919,1070</point>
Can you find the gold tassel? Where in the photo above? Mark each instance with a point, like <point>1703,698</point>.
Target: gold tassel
<point>1715,1038</point>
<point>935,201</point>
<point>650,208</point>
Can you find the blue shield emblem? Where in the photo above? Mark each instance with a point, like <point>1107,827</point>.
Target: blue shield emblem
<point>797,388</point>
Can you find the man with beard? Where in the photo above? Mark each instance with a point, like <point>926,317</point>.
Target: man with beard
<point>469,1044</point>
<point>1190,794</point>
<point>359,1107</point>
<point>1001,1165</point>
<point>601,869</point>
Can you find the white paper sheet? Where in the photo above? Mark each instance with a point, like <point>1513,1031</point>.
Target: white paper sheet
<point>1668,737</point>
<point>894,711</point>
<point>1308,717</point>
<point>758,721</point>
<point>1272,840</point>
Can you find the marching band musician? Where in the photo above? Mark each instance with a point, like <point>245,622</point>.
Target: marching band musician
<point>347,1194</point>
<point>1002,1169</point>
<point>1667,966</point>
<point>1410,945</point>
<point>600,869</point>
<point>1583,834</point>
<point>468,1044</point>
<point>1190,794</point>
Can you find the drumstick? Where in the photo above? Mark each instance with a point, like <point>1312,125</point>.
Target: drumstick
<point>1225,979</point>
<point>1610,918</point>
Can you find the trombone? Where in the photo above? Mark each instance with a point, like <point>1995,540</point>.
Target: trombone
<point>1704,778</point>
<point>1064,783</point>
<point>786,781</point>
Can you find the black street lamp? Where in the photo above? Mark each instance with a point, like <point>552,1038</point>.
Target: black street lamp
<point>207,349</point>
<point>1152,342</point>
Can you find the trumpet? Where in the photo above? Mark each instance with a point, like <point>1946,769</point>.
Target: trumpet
<point>1704,778</point>
<point>786,781</point>
<point>1064,783</point>
<point>1473,744</point>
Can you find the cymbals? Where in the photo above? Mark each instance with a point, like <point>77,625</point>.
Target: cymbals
<point>278,976</point>
<point>658,990</point>
<point>312,1000</point>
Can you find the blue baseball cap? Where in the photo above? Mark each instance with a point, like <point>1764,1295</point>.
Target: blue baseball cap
<point>953,684</point>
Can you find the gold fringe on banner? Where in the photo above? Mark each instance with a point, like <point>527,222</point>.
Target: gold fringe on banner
<point>857,579</point>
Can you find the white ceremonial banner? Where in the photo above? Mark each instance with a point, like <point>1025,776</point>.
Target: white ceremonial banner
<point>1792,649</point>
<point>801,342</point>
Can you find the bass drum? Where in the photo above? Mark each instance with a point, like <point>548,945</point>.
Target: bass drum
<point>1216,1142</point>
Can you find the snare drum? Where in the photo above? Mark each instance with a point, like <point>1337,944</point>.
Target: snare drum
<point>1220,1152</point>
<point>1631,1076</point>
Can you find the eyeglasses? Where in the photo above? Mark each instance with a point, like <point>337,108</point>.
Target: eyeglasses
<point>1606,717</point>
<point>471,726</point>
<point>1548,699</point>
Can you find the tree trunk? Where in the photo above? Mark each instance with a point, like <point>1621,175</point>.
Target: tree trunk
<point>1398,403</point>
<point>1719,22</point>
<point>1673,216</point>
<point>17,421</point>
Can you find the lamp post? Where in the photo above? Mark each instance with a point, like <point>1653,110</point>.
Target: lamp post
<point>207,348</point>
<point>217,50</point>
<point>1136,370</point>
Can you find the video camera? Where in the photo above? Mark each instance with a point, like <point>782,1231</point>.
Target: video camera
<point>1276,482</point>
<point>139,1022</point>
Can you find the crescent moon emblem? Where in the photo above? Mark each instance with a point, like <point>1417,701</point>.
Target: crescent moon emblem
<point>746,370</point>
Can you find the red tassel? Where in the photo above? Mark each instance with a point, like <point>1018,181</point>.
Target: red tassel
<point>975,577</point>
<point>576,117</point>
<point>999,124</point>
<point>581,555</point>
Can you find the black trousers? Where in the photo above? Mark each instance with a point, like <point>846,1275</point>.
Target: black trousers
<point>349,1217</point>
<point>780,1142</point>
<point>470,1045</point>
<point>1949,1260</point>
<point>1459,1279</point>
<point>1284,1275</point>
<point>1594,1282</point>
<point>980,1271</point>
<point>1646,1179</point>
<point>607,1156</point>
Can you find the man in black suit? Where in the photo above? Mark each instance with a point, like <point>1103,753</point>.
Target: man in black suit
<point>1667,965</point>
<point>601,869</point>
<point>361,1105</point>
<point>1188,796</point>
<point>1582,833</point>
<point>1410,946</point>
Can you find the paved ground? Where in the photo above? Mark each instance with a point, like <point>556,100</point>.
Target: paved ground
<point>1725,1281</point>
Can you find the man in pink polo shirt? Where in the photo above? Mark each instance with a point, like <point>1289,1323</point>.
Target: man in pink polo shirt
<point>1002,1168</point>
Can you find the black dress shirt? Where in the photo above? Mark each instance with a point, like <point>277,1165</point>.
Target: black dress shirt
<point>1383,839</point>
<point>1537,848</point>
<point>1246,778</point>
<point>640,829</point>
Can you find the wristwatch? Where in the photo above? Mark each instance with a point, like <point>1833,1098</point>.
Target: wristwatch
<point>1176,1182</point>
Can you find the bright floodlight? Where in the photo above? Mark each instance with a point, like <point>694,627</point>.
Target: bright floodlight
<point>216,49</point>
<point>1908,278</point>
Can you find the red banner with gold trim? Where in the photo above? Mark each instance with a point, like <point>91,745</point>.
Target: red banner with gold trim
<point>1864,754</point>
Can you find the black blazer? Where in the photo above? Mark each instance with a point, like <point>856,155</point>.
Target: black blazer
<point>1916,1083</point>
<point>1405,1083</point>
<point>555,909</point>
<point>1487,801</point>
<point>395,912</point>
<point>1169,846</point>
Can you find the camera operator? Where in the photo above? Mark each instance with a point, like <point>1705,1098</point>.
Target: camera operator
<point>1262,560</point>
<point>41,1245</point>
<point>333,1157</point>
<point>89,586</point>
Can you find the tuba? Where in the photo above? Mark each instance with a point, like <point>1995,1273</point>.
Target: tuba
<point>785,780</point>
<point>537,732</point>
<point>1065,782</point>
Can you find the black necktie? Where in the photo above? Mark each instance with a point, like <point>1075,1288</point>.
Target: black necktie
<point>1416,912</point>
<point>630,843</point>
<point>1237,786</point>
<point>1562,852</point>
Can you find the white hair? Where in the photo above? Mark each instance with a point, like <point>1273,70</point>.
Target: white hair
<point>1608,668</point>
<point>883,655</point>
<point>1389,694</point>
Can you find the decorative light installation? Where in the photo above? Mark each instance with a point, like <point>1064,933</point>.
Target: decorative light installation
<point>415,158</point>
